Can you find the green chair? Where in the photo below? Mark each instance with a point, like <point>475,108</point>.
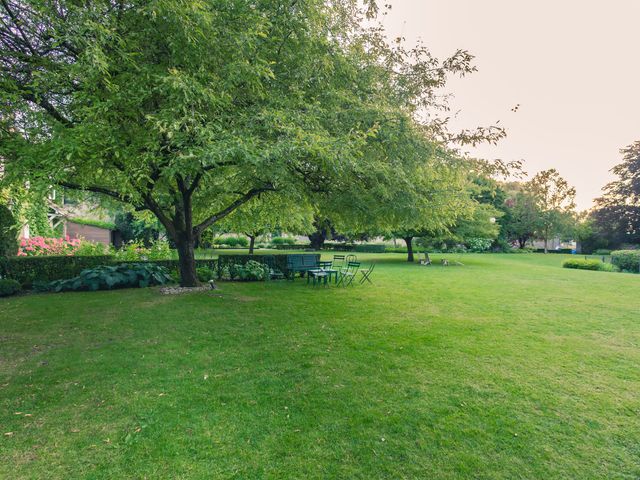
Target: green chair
<point>346,275</point>
<point>366,274</point>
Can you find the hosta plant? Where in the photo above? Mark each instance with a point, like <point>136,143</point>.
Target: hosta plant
<point>117,276</point>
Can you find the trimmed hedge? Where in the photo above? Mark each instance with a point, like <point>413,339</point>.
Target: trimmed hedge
<point>589,264</point>
<point>291,246</point>
<point>370,248</point>
<point>561,250</point>
<point>338,247</point>
<point>628,260</point>
<point>27,270</point>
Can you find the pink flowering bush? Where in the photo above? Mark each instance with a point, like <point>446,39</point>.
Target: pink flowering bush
<point>37,246</point>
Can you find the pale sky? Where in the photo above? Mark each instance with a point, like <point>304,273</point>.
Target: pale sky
<point>572,65</point>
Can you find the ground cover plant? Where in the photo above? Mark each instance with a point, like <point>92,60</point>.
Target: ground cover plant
<point>509,367</point>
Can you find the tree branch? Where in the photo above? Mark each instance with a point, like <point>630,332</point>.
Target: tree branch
<point>226,211</point>
<point>98,189</point>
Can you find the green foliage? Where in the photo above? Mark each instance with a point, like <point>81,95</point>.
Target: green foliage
<point>8,233</point>
<point>602,251</point>
<point>190,110</point>
<point>126,275</point>
<point>479,244</point>
<point>282,241</point>
<point>28,270</point>
<point>133,251</point>
<point>94,223</point>
<point>626,260</point>
<point>9,287</point>
<point>249,271</point>
<point>205,274</point>
<point>137,227</point>
<point>92,248</point>
<point>587,264</point>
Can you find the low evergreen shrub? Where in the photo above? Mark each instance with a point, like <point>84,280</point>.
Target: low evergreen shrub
<point>589,264</point>
<point>9,287</point>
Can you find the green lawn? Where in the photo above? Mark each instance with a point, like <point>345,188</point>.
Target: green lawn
<point>508,367</point>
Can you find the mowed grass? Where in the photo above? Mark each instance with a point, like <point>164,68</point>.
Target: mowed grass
<point>508,367</point>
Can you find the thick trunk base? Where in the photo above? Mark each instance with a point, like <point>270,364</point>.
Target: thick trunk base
<point>187,261</point>
<point>409,242</point>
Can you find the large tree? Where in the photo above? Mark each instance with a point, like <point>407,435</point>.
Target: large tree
<point>192,109</point>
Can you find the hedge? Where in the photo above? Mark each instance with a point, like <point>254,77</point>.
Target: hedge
<point>278,261</point>
<point>292,246</point>
<point>581,264</point>
<point>27,270</point>
<point>560,250</point>
<point>370,248</point>
<point>628,260</point>
<point>338,247</point>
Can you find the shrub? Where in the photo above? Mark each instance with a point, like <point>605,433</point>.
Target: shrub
<point>134,251</point>
<point>277,241</point>
<point>87,249</point>
<point>8,287</point>
<point>8,239</point>
<point>249,271</point>
<point>242,242</point>
<point>589,264</point>
<point>126,275</point>
<point>231,241</point>
<point>205,274</point>
<point>626,260</point>
<point>479,244</point>
<point>602,251</point>
<point>27,270</point>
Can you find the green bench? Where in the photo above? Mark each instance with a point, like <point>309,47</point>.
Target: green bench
<point>301,263</point>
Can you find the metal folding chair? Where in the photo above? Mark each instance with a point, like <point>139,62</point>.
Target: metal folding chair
<point>347,275</point>
<point>366,274</point>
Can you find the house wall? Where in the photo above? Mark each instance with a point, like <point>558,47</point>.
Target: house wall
<point>89,232</point>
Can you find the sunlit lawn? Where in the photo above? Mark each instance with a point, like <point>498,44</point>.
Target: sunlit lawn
<point>507,367</point>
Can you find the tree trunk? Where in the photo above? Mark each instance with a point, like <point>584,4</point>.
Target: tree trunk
<point>252,242</point>
<point>187,261</point>
<point>545,245</point>
<point>409,242</point>
<point>522,242</point>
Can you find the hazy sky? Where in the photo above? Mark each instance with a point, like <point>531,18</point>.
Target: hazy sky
<point>572,65</point>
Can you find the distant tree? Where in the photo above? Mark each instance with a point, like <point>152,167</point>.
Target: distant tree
<point>555,202</point>
<point>280,211</point>
<point>615,219</point>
